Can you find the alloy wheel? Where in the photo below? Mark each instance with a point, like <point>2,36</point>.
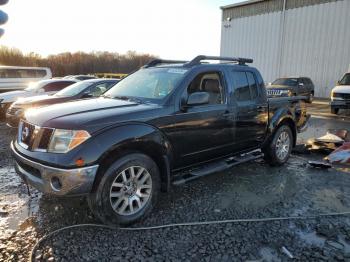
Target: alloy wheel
<point>131,190</point>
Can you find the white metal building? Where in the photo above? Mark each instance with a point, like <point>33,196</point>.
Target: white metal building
<point>291,37</point>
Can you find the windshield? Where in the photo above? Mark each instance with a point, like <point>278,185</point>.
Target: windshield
<point>345,80</point>
<point>286,82</point>
<point>33,86</point>
<point>74,89</point>
<point>148,84</point>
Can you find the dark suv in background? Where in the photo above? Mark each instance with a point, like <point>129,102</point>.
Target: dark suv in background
<point>292,86</point>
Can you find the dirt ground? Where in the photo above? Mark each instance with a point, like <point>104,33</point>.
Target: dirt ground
<point>252,190</point>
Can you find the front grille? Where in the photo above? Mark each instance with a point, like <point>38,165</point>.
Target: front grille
<point>33,137</point>
<point>274,92</point>
<point>341,95</point>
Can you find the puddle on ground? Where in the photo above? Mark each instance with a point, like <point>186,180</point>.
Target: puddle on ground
<point>15,204</point>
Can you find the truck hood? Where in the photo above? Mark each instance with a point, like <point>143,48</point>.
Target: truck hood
<point>40,100</point>
<point>89,114</point>
<point>10,97</point>
<point>341,89</point>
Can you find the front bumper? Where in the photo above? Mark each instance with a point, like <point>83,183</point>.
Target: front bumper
<point>55,181</point>
<point>340,103</point>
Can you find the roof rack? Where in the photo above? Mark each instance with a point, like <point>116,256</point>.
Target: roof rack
<point>161,61</point>
<point>197,60</point>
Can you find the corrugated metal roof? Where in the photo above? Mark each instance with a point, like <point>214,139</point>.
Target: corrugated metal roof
<point>258,7</point>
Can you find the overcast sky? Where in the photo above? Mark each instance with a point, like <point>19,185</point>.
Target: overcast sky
<point>177,29</point>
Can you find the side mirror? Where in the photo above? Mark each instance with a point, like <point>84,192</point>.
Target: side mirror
<point>301,84</point>
<point>337,83</point>
<point>41,91</point>
<point>198,98</point>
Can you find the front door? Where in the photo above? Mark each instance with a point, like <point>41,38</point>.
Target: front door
<point>204,132</point>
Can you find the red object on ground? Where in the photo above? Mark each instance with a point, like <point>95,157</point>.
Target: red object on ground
<point>341,155</point>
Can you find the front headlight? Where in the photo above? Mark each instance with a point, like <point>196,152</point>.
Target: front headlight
<point>63,141</point>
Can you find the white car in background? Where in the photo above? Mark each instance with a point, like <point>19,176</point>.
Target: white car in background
<point>18,77</point>
<point>43,87</point>
<point>340,95</point>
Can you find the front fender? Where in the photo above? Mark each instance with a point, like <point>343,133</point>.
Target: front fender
<point>124,136</point>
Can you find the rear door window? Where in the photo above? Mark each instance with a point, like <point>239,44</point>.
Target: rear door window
<point>242,90</point>
<point>252,85</point>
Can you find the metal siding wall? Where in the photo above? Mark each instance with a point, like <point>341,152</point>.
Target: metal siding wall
<point>255,37</point>
<point>316,43</point>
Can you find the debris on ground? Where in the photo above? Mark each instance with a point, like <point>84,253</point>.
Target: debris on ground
<point>327,143</point>
<point>341,155</point>
<point>287,252</point>
<point>319,164</point>
<point>342,133</point>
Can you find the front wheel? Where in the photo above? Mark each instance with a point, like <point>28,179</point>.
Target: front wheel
<point>278,150</point>
<point>334,110</point>
<point>127,191</point>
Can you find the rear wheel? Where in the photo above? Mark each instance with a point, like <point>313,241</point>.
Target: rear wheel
<point>278,150</point>
<point>128,190</point>
<point>334,110</point>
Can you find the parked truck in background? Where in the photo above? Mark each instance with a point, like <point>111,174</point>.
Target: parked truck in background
<point>340,95</point>
<point>168,123</point>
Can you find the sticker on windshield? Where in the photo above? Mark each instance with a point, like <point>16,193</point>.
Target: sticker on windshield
<point>177,71</point>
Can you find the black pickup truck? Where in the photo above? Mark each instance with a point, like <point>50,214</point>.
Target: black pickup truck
<point>166,124</point>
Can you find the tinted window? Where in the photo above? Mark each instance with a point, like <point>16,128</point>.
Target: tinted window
<point>242,91</point>
<point>345,80</point>
<point>252,84</point>
<point>308,81</point>
<point>56,86</point>
<point>22,73</point>
<point>286,81</point>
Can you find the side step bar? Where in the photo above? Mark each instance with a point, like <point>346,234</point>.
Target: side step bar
<point>218,166</point>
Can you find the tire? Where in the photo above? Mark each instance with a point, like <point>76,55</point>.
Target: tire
<point>271,152</point>
<point>334,110</point>
<point>119,189</point>
<point>311,98</point>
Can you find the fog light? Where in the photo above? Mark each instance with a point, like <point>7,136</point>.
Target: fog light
<point>56,183</point>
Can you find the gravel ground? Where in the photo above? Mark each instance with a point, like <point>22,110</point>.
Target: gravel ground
<point>252,190</point>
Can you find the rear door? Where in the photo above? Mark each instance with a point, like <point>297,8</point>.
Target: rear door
<point>251,109</point>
